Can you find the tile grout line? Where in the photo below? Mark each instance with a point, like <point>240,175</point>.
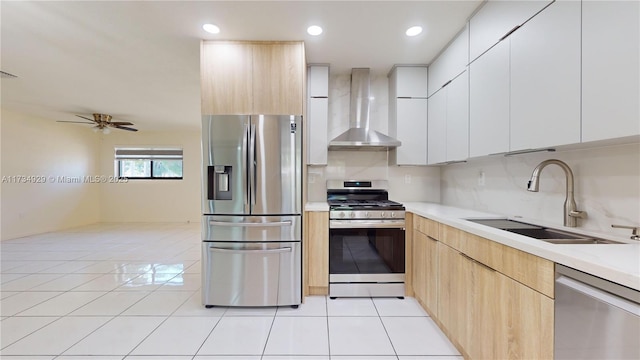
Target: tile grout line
<point>385,329</point>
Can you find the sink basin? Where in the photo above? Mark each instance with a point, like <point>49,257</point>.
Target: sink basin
<point>541,233</point>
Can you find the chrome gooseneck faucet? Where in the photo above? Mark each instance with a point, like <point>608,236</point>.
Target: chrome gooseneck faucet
<point>571,213</point>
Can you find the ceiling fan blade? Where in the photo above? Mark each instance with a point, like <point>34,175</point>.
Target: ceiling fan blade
<point>86,118</point>
<point>118,123</point>
<point>124,128</point>
<point>77,122</point>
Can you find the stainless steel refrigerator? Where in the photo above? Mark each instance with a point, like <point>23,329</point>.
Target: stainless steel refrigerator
<point>251,223</point>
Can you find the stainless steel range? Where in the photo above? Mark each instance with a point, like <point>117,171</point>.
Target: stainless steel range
<point>366,240</point>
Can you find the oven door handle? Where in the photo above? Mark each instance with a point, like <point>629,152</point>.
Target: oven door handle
<point>366,224</point>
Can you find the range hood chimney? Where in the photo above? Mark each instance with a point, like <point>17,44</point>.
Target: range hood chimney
<point>360,136</point>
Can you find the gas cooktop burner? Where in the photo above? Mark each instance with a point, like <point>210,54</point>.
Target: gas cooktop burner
<point>364,204</point>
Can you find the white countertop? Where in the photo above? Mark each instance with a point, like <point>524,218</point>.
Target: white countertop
<point>316,206</point>
<point>619,263</point>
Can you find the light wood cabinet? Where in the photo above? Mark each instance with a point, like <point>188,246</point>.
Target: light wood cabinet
<point>226,70</point>
<point>545,79</point>
<point>408,114</point>
<point>425,270</point>
<point>317,252</point>
<point>493,301</point>
<point>252,78</point>
<point>610,69</point>
<point>524,323</point>
<point>278,78</point>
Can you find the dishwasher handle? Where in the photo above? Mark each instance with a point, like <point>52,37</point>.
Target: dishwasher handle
<point>599,294</point>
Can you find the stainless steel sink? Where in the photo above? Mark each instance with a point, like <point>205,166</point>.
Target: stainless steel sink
<point>553,236</point>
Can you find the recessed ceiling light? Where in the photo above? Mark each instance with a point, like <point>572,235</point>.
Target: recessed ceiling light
<point>414,30</point>
<point>210,28</point>
<point>314,30</point>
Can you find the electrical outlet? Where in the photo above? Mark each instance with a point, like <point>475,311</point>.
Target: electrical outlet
<point>481,179</point>
<point>407,179</point>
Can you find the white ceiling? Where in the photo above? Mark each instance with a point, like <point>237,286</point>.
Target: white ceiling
<point>139,60</point>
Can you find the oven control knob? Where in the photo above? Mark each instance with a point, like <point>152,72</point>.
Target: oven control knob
<point>352,214</point>
<point>382,214</point>
<point>393,214</point>
<point>341,214</point>
<point>368,214</point>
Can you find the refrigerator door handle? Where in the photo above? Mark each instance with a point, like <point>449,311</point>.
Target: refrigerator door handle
<point>252,224</point>
<point>252,164</point>
<point>234,251</point>
<point>245,176</point>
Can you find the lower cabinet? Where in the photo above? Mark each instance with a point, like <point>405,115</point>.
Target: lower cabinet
<point>316,251</point>
<point>486,313</point>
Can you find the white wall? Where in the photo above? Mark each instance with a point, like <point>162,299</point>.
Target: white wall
<point>152,200</point>
<point>607,186</point>
<point>43,148</point>
<point>424,182</point>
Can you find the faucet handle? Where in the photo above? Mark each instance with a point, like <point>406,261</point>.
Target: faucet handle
<point>635,230</point>
<point>578,214</point>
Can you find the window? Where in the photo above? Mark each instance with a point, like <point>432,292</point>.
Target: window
<point>149,163</point>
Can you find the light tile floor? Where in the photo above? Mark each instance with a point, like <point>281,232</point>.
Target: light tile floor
<point>132,291</point>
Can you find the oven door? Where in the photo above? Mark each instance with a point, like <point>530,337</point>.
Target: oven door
<point>365,253</point>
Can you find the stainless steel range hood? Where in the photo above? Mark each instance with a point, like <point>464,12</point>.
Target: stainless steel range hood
<point>360,136</point>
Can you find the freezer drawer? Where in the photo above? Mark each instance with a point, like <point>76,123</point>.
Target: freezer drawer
<point>251,228</point>
<point>255,274</point>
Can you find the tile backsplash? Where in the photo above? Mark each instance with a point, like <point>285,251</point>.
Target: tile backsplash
<point>607,186</point>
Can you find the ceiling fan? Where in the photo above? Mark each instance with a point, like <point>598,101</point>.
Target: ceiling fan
<point>102,122</point>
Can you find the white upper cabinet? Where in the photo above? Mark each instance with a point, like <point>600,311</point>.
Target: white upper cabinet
<point>449,122</point>
<point>496,19</point>
<point>318,81</point>
<point>408,114</point>
<point>452,62</point>
<point>489,102</point>
<point>458,118</point>
<point>545,79</point>
<point>610,69</point>
<point>317,114</point>
<point>437,129</point>
<point>411,81</point>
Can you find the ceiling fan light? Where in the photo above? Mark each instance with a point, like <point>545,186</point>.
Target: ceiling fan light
<point>106,131</point>
<point>211,28</point>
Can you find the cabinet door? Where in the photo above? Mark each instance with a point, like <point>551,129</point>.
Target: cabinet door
<point>451,62</point>
<point>454,297</point>
<point>226,80</point>
<point>317,253</point>
<point>411,81</point>
<point>545,79</point>
<point>318,116</point>
<point>431,275</point>
<point>489,102</point>
<point>419,266</point>
<point>278,71</point>
<point>318,81</point>
<point>484,305</point>
<point>524,322</point>
<point>411,130</point>
<point>457,139</point>
<point>610,69</point>
<point>437,130</point>
<point>495,19</point>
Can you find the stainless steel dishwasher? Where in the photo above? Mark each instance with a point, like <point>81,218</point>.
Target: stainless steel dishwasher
<point>595,318</point>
